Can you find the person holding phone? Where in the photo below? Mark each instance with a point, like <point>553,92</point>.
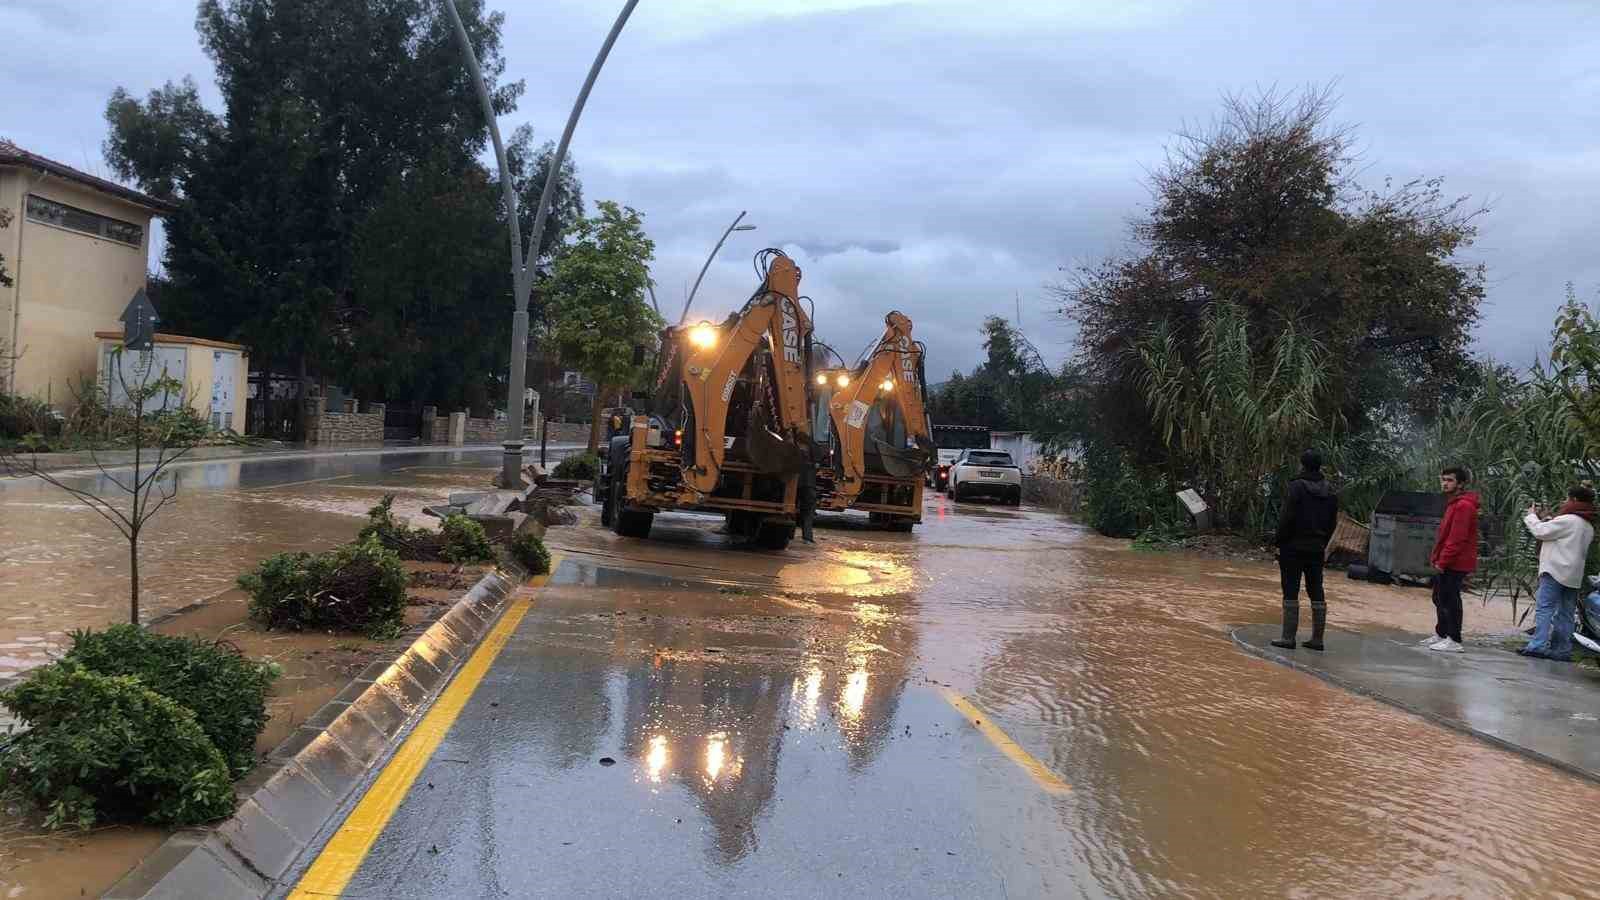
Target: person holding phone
<point>1564,541</point>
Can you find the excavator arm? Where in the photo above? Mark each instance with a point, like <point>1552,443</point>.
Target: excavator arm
<point>717,355</point>
<point>893,372</point>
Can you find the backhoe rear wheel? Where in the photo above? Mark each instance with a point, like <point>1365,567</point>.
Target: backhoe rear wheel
<point>775,535</point>
<point>624,521</point>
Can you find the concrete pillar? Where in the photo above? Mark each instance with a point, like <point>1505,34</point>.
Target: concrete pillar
<point>426,427</point>
<point>458,429</point>
<point>313,407</point>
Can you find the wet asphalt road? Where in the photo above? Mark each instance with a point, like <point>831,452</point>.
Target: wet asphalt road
<point>781,724</point>
<point>789,725</point>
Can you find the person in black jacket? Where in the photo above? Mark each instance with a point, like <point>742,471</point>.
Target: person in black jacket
<point>1310,512</point>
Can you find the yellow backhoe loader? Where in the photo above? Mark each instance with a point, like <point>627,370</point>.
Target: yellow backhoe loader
<point>877,430</point>
<point>729,429</point>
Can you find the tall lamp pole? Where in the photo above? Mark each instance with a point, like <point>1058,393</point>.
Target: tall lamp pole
<point>523,260</point>
<point>692,291</point>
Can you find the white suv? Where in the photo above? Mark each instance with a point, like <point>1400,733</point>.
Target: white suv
<point>986,473</point>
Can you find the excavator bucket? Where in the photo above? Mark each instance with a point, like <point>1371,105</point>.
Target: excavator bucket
<point>769,452</point>
<point>905,462</point>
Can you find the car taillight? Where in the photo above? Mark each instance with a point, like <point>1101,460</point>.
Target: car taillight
<point>677,437</point>
<point>944,468</point>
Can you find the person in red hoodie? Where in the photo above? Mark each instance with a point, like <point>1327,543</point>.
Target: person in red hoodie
<point>1455,555</point>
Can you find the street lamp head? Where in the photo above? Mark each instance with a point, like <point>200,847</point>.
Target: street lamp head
<point>744,228</point>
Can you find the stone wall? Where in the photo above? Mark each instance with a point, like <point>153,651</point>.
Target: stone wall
<point>349,427</point>
<point>1057,493</point>
<point>569,433</point>
<point>484,431</point>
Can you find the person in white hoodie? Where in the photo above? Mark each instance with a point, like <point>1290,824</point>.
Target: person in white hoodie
<point>1563,547</point>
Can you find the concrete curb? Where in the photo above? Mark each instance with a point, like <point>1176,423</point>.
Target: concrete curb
<point>1449,722</point>
<point>287,800</point>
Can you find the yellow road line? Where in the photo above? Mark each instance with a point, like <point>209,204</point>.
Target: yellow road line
<point>345,850</point>
<point>1002,741</point>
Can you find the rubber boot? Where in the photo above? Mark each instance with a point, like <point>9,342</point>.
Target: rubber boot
<point>1319,622</point>
<point>1291,624</point>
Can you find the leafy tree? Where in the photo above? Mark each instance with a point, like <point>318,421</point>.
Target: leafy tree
<point>1002,392</point>
<point>322,106</point>
<point>1575,367</point>
<point>1260,210</point>
<point>1258,223</point>
<point>597,306</point>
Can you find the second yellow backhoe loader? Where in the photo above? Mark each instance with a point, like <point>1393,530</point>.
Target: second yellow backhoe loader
<point>877,430</point>
<point>729,430</point>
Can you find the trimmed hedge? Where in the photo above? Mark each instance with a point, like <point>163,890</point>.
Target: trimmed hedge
<point>107,749</point>
<point>526,548</point>
<point>226,691</point>
<point>359,587</point>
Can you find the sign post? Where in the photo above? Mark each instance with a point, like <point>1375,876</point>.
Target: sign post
<point>139,323</point>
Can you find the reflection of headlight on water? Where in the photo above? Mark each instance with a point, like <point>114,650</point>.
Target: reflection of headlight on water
<point>656,760</point>
<point>716,755</point>
<point>807,696</point>
<point>855,694</point>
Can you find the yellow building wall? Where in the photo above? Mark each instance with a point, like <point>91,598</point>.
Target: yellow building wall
<point>69,285</point>
<point>10,199</point>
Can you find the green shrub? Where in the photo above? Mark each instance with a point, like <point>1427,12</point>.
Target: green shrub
<point>582,467</point>
<point>409,543</point>
<point>226,691</point>
<point>359,587</point>
<point>1122,500</point>
<point>180,426</point>
<point>107,749</point>
<point>23,416</point>
<point>464,541</point>
<point>529,551</point>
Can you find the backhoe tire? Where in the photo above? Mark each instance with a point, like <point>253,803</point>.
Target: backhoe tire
<point>608,504</point>
<point>775,535</point>
<point>624,521</point>
<point>902,525</point>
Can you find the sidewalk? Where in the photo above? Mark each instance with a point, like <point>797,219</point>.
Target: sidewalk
<point>113,459</point>
<point>1541,709</point>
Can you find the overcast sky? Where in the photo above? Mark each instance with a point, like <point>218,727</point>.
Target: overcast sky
<point>948,159</point>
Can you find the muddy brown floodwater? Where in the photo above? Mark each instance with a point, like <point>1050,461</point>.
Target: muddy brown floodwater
<point>1196,770</point>
<point>1200,771</point>
<point>62,567</point>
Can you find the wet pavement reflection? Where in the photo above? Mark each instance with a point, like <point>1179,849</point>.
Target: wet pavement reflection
<point>62,567</point>
<point>682,715</point>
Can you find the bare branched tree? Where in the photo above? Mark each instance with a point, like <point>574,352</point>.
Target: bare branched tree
<point>128,497</point>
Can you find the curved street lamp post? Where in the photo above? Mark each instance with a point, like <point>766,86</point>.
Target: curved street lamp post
<point>692,291</point>
<point>523,260</point>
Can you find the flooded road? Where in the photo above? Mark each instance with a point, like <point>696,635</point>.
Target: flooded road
<point>678,715</point>
<point>62,567</point>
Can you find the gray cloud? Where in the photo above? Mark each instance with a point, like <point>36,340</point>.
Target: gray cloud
<point>948,159</point>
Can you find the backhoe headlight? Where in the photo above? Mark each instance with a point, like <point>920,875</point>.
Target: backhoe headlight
<point>822,380</point>
<point>844,381</point>
<point>703,336</point>
<point>888,385</point>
